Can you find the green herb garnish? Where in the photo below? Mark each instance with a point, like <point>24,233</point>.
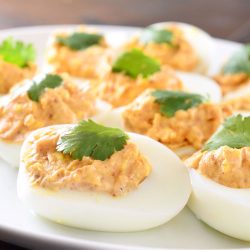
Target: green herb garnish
<point>172,101</point>
<point>234,133</point>
<point>36,89</point>
<point>91,139</point>
<point>239,62</point>
<point>134,63</point>
<point>17,52</point>
<point>80,40</point>
<point>153,35</point>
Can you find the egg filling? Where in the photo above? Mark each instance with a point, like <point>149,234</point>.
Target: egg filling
<point>179,54</point>
<point>227,166</point>
<point>19,115</point>
<point>120,89</point>
<point>187,127</point>
<point>49,169</point>
<point>86,63</point>
<point>11,74</point>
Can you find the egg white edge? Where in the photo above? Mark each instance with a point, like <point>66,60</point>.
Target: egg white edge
<point>223,208</point>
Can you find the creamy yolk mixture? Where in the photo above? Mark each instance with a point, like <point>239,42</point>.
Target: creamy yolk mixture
<point>191,127</point>
<point>86,63</point>
<point>11,75</point>
<point>119,89</point>
<point>231,82</point>
<point>118,175</point>
<point>19,115</point>
<point>180,55</point>
<point>227,166</point>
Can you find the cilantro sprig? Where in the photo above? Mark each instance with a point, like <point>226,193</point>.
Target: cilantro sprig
<point>17,52</point>
<point>239,62</point>
<point>91,139</point>
<point>36,89</point>
<point>135,63</point>
<point>234,133</point>
<point>80,40</point>
<point>172,101</point>
<point>153,35</point>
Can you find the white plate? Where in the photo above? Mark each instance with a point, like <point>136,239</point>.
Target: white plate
<point>19,226</point>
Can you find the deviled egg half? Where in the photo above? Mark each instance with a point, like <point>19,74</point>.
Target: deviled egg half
<point>220,177</point>
<point>235,74</point>
<point>178,45</point>
<point>45,100</point>
<point>80,53</point>
<point>101,178</point>
<point>133,71</point>
<point>16,63</point>
<point>180,120</point>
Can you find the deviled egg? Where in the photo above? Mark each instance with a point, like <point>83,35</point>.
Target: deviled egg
<point>45,100</point>
<point>220,177</point>
<point>100,178</point>
<point>183,121</point>
<point>235,74</point>
<point>132,72</point>
<point>80,53</point>
<point>178,45</point>
<point>16,63</point>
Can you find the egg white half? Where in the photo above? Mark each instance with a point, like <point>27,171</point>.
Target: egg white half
<point>160,197</point>
<point>201,41</point>
<point>223,208</point>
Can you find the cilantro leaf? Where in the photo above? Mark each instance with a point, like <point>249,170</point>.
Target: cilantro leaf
<point>234,133</point>
<point>153,35</point>
<point>37,89</point>
<point>239,62</point>
<point>172,101</point>
<point>80,40</point>
<point>134,63</point>
<point>91,139</point>
<point>17,52</point>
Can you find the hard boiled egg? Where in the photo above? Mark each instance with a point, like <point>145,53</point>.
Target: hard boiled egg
<point>200,40</point>
<point>156,200</point>
<point>192,83</point>
<point>223,208</point>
